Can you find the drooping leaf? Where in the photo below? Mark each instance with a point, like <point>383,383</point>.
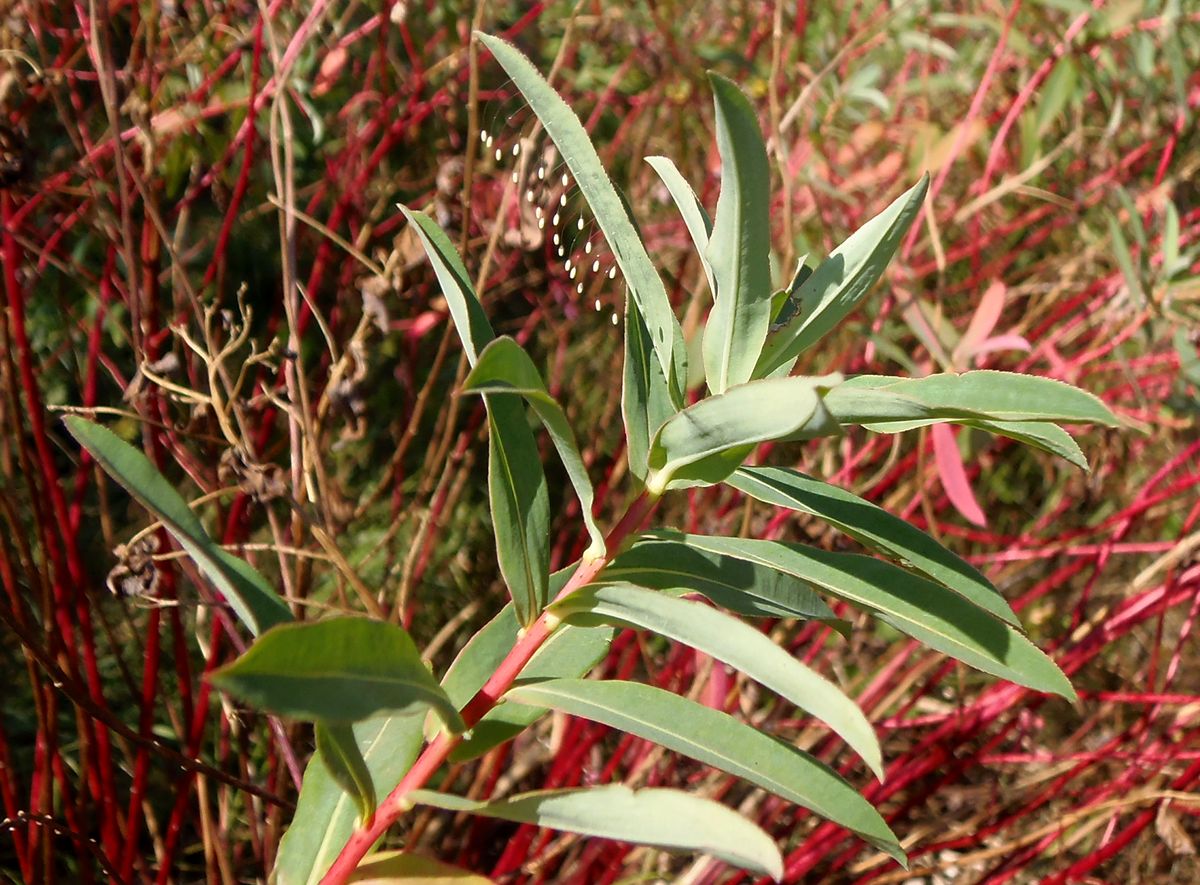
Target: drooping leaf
<point>252,599</point>
<point>645,400</point>
<point>341,669</point>
<point>738,249</point>
<point>719,740</point>
<point>734,584</point>
<point>841,281</point>
<point>1040,435</point>
<point>337,748</point>
<point>517,494</point>
<point>696,220</point>
<point>873,527</point>
<point>394,867</point>
<point>325,813</point>
<point>953,474</point>
<point>727,639</point>
<point>505,368</point>
<point>707,441</point>
<point>924,610</point>
<point>610,211</point>
<point>669,819</point>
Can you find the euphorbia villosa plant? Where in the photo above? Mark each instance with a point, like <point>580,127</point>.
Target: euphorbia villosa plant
<point>363,684</point>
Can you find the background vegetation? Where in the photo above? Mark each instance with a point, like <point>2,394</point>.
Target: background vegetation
<point>145,154</point>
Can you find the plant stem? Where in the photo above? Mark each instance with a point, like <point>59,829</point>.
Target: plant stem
<point>436,752</point>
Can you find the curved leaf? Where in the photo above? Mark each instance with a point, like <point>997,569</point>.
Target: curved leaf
<point>873,527</point>
<point>669,819</point>
<point>517,494</point>
<point>696,220</point>
<point>842,280</point>
<point>732,641</point>
<point>339,669</point>
<point>505,368</point>
<point>393,867</point>
<point>707,441</point>
<point>739,245</point>
<point>926,611</point>
<point>645,400</point>
<point>337,748</point>
<point>252,599</point>
<point>719,740</point>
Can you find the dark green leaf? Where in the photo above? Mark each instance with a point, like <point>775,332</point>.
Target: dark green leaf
<point>338,749</point>
<point>645,400</point>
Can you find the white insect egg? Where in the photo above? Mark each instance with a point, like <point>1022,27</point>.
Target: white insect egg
<point>580,224</point>
<point>574,272</point>
<point>537,212</point>
<point>515,177</point>
<point>541,173</point>
<point>597,305</point>
<point>612,272</point>
<point>554,220</point>
<point>579,288</point>
<point>489,140</point>
<point>595,265</point>
<point>516,148</point>
<point>557,240</point>
<point>615,320</point>
<point>483,136</point>
<point>561,252</point>
<point>588,248</point>
<point>562,201</point>
<point>541,224</point>
<point>499,153</point>
<point>565,179</point>
<point>529,196</point>
<point>567,266</point>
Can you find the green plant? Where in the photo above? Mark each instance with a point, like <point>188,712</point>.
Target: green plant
<point>362,682</point>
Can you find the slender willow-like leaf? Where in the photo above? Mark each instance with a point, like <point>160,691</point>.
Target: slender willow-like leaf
<point>669,819</point>
<point>719,740</point>
<point>1042,435</point>
<point>610,211</point>
<point>924,610</point>
<point>340,669</point>
<point>739,245</point>
<point>517,494</point>
<point>874,527</point>
<point>645,400</point>
<point>841,281</point>
<point>505,368</point>
<point>696,220</point>
<point>325,813</point>
<point>252,599</point>
<point>707,441</point>
<point>337,748</point>
<point>400,868</point>
<point>732,641</point>
<point>743,587</point>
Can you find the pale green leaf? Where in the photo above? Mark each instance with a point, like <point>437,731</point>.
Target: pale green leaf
<point>914,605</point>
<point>505,368</point>
<point>669,819</point>
<point>699,227</point>
<point>342,669</point>
<point>337,748</point>
<point>252,599</point>
<point>396,867</point>
<point>727,639</point>
<point>841,281</point>
<point>707,441</point>
<point>739,246</point>
<point>719,740</point>
<point>645,401</point>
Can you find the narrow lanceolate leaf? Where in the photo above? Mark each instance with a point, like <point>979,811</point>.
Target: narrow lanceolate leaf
<point>505,368</point>
<point>696,220</point>
<point>610,211</point>
<point>732,641</point>
<point>1042,435</point>
<point>873,527</point>
<point>645,400</point>
<point>982,394</point>
<point>745,588</point>
<point>339,669</point>
<point>926,611</point>
<point>396,867</point>
<point>838,285</point>
<point>519,501</point>
<point>740,243</point>
<point>669,819</point>
<point>337,748</point>
<point>252,599</point>
<point>719,740</point>
<point>707,441</point>
<point>325,813</point>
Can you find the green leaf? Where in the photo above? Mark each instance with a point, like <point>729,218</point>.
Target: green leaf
<point>252,599</point>
<point>325,813</point>
<point>983,394</point>
<point>873,527</point>
<point>719,740</point>
<point>340,669</point>
<point>610,211</point>
<point>734,584</point>
<point>393,867</point>
<point>739,247</point>
<point>338,749</point>
<point>1126,262</point>
<point>922,609</point>
<point>669,819</point>
<point>505,368</point>
<point>842,280</point>
<point>1039,434</point>
<point>727,639</point>
<point>696,220</point>
<point>645,400</point>
<point>707,441</point>
<point>517,494</point>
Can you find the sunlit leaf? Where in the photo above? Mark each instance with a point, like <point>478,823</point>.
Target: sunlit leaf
<point>696,220</point>
<point>394,867</point>
<point>645,400</point>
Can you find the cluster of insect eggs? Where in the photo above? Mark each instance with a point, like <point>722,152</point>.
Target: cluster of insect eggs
<point>576,262</point>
